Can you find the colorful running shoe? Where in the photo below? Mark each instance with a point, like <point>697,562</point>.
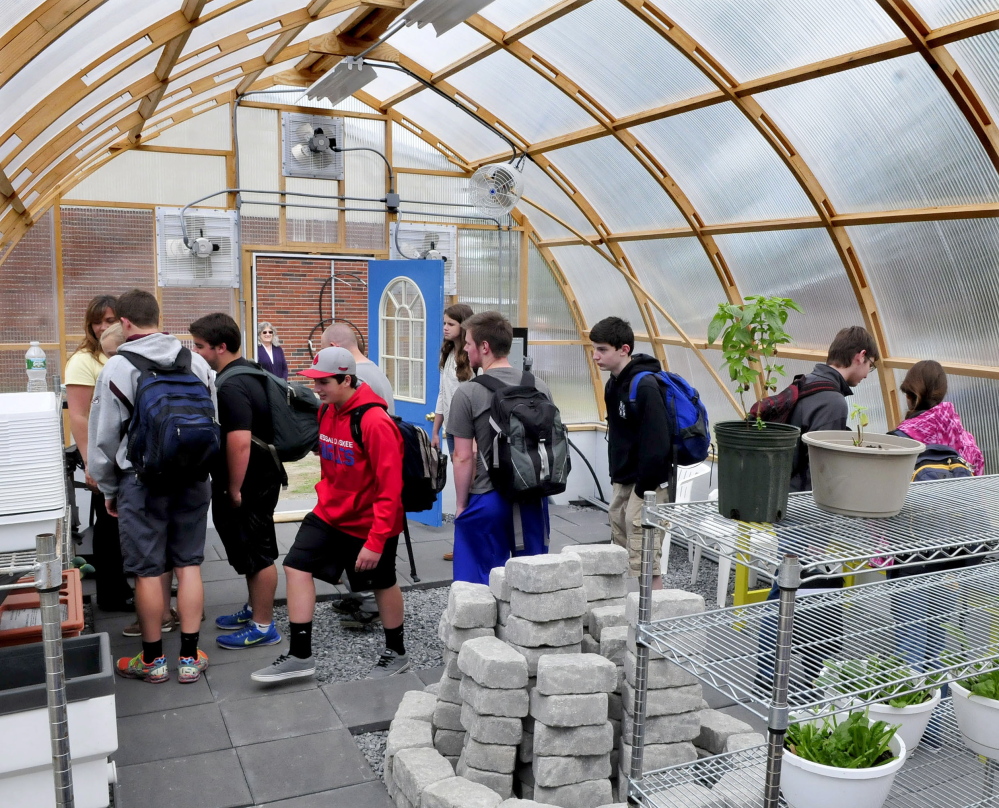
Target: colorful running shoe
<point>249,636</point>
<point>134,668</point>
<point>231,622</point>
<point>189,668</point>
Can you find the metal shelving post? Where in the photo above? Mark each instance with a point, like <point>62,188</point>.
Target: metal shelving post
<point>649,523</point>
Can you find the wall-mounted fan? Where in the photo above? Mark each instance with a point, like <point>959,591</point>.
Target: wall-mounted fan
<point>210,256</point>
<point>428,242</point>
<point>496,188</point>
<point>309,146</point>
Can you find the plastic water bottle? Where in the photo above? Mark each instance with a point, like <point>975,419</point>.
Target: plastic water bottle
<point>34,364</point>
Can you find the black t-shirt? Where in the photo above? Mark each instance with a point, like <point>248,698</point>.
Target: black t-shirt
<point>243,405</point>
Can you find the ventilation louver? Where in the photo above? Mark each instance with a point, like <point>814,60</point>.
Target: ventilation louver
<point>308,144</point>
<point>211,255</point>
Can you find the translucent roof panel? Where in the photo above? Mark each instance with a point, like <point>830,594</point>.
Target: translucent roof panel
<point>942,12</point>
<point>409,151</point>
<point>883,137</point>
<point>599,287</point>
<point>978,57</point>
<point>727,169</point>
<point>220,65</point>
<point>435,52</point>
<point>462,133</point>
<point>509,14</point>
<point>546,226</point>
<point>542,189</point>
<point>625,84</point>
<point>548,315</point>
<point>388,83</point>
<point>753,38</point>
<point>936,286</point>
<point>13,11</point>
<point>802,265</point>
<point>327,25</point>
<point>624,194</point>
<point>685,362</point>
<point>514,93</point>
<point>210,130</point>
<point>249,17</point>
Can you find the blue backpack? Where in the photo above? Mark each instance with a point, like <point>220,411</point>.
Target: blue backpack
<point>687,416</point>
<point>172,432</point>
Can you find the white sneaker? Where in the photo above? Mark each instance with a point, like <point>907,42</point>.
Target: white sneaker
<point>286,667</point>
<point>389,664</point>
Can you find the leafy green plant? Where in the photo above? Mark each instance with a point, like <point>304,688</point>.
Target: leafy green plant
<point>858,413</point>
<point>853,743</point>
<point>750,335</point>
<point>878,676</point>
<point>984,684</point>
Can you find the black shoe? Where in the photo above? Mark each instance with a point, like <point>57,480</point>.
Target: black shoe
<point>347,605</point>
<point>359,620</point>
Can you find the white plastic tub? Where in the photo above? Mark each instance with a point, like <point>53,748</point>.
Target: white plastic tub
<point>912,719</point>
<point>978,720</point>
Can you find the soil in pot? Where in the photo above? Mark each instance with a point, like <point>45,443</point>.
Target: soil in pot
<point>754,469</point>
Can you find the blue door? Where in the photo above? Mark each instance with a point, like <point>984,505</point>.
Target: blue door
<point>405,312</point>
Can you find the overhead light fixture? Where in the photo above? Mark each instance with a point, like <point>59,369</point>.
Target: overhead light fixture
<point>444,15</point>
<point>342,81</point>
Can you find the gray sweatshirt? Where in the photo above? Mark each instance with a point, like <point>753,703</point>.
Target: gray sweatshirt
<point>108,414</point>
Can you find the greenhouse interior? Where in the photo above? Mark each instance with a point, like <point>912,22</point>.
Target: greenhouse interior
<point>790,209</point>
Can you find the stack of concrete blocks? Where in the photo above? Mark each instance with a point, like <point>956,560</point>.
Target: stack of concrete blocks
<point>470,614</point>
<point>494,693</point>
<point>673,698</point>
<point>573,738</point>
<point>609,634</point>
<point>605,574</point>
<point>410,729</point>
<point>721,732</point>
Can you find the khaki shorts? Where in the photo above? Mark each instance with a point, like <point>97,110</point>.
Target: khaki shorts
<point>626,526</point>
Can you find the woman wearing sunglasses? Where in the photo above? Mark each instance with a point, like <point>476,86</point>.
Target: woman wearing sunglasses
<point>270,355</point>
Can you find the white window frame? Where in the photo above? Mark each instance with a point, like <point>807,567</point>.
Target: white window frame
<point>417,364</point>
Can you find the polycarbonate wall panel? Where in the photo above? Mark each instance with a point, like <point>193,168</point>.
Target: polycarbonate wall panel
<point>975,402</point>
<point>565,369</point>
<point>409,151</point>
<point>600,289</point>
<point>753,38</point>
<point>416,188</point>
<point>677,273</point>
<point>508,14</point>
<point>516,95</point>
<point>802,265</point>
<point>487,271</point>
<point>542,189</point>
<point>883,137</point>
<point>978,57</point>
<point>546,226</point>
<point>457,129</point>
<point>623,84</point>
<point>435,52</point>
<point>619,188</point>
<point>548,315</point>
<point>259,140</point>
<point>153,178</point>
<point>942,12</point>
<point>365,176</point>
<point>685,362</point>
<point>728,171</point>
<point>209,130</point>
<point>314,224</point>
<point>936,286</point>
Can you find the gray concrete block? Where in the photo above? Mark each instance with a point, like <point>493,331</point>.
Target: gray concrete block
<point>615,706</point>
<point>597,739</point>
<point>662,673</point>
<point>717,727</point>
<point>448,690</point>
<point>543,606</point>
<point>565,770</point>
<point>491,728</point>
<point>575,674</point>
<point>449,742</point>
<point>614,643</point>
<point>609,602</point>
<point>666,603</point>
<point>743,740</point>
<point>527,793</point>
<point>633,645</point>
<point>667,701</point>
<point>499,585</point>
<point>494,701</point>
<point>415,769</point>
<point>569,711</point>
<point>470,606</point>
<point>432,689</point>
<point>544,573</point>
<point>490,757</point>
<point>532,655</point>
<point>525,750</point>
<point>602,587</point>
<point>600,617</point>
<point>600,559</point>
<point>666,728</point>
<point>406,733</point>
<point>493,663</point>
<point>457,637</point>
<point>589,645</point>
<point>521,803</point>
<point>459,792</point>
<point>501,784</point>
<point>657,756</point>
<point>578,795</point>
<point>615,805</point>
<point>502,612</point>
<point>417,705</point>
<point>401,802</point>
<point>447,716</point>
<point>531,634</point>
<point>451,664</point>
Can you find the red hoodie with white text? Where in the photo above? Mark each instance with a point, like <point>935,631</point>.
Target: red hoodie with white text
<point>360,490</point>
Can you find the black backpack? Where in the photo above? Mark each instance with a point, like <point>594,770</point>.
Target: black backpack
<point>424,468</point>
<point>172,431</point>
<point>530,451</point>
<point>294,409</point>
<point>937,462</point>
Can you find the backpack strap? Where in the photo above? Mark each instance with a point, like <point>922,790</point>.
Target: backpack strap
<point>253,369</point>
<point>633,390</point>
<point>355,419</point>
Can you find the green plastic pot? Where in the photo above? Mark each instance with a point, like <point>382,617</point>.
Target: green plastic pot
<point>754,469</point>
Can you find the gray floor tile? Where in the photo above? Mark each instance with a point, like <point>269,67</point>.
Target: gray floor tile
<point>232,682</point>
<point>279,715</point>
<point>367,705</point>
<point>172,733</point>
<point>196,781</point>
<point>218,571</point>
<point>132,697</point>
<point>430,565</point>
<point>292,767</point>
<point>365,795</point>
<point>229,590</point>
<point>430,675</point>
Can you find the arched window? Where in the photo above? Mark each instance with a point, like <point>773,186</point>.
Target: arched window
<point>402,347</point>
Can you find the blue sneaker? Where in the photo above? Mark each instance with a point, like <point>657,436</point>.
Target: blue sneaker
<point>231,622</point>
<point>249,636</point>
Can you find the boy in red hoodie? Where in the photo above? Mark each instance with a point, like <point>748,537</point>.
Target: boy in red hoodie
<point>355,526</point>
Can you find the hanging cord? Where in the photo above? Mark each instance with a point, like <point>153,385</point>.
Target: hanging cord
<point>596,481</point>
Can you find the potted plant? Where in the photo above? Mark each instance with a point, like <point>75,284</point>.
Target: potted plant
<point>976,706</point>
<point>860,475</point>
<point>832,762</point>
<point>888,680</point>
<point>754,457</point>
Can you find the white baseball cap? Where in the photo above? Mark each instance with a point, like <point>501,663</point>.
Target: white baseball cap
<point>331,362</point>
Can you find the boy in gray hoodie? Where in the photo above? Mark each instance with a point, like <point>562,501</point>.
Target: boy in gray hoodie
<point>160,530</point>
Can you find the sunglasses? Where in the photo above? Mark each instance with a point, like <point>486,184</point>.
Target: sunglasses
<point>266,332</point>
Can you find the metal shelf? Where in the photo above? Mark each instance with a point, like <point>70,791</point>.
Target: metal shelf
<point>943,775</point>
<point>722,647</point>
<point>965,511</point>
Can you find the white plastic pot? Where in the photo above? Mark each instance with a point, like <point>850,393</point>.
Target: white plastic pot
<point>912,719</point>
<point>869,480</point>
<point>811,785</point>
<point>978,720</point>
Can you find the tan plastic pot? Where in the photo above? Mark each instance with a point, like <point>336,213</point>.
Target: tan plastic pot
<point>868,480</point>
